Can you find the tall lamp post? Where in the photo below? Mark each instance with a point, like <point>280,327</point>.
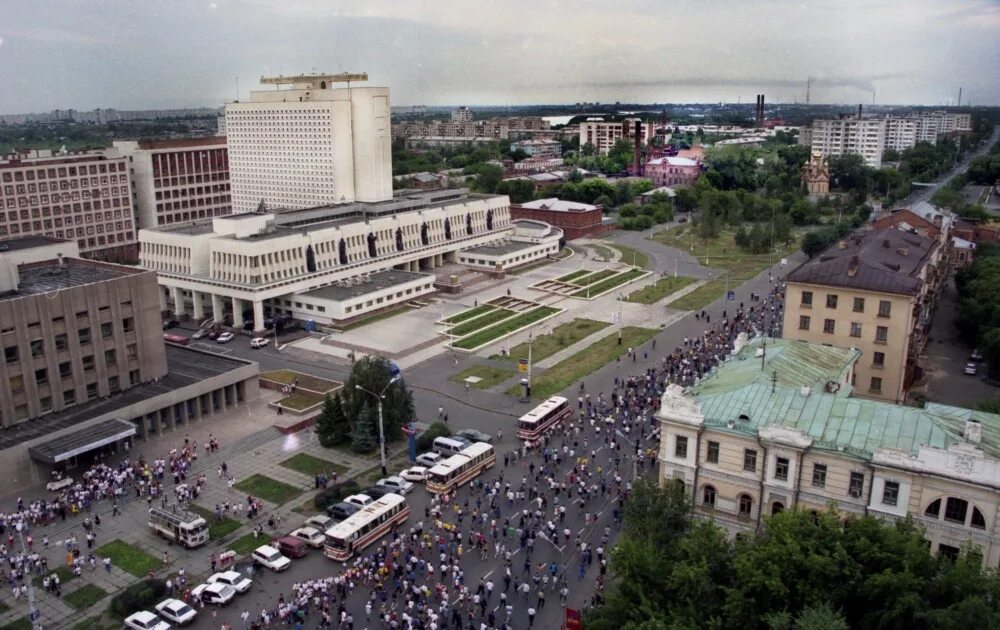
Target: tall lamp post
<point>381,428</point>
<point>33,615</point>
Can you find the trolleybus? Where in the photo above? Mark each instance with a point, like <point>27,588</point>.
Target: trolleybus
<point>365,526</point>
<point>460,468</point>
<point>186,529</point>
<point>542,418</point>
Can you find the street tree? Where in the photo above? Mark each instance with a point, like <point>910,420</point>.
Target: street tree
<point>373,374</point>
<point>332,427</point>
<point>363,438</point>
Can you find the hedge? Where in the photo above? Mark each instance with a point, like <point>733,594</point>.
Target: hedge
<point>425,441</point>
<point>335,493</point>
<point>140,596</point>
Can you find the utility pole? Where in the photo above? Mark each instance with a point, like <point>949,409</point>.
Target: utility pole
<point>381,428</point>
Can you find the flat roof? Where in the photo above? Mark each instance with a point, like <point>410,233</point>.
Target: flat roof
<point>29,242</point>
<point>498,250</point>
<point>49,276</point>
<point>66,446</point>
<point>183,143</point>
<point>378,281</point>
<point>185,366</point>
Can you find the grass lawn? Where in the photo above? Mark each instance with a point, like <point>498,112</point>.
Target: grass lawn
<point>247,543</point>
<point>562,336</point>
<point>480,322</point>
<point>630,254</point>
<point>573,276</point>
<point>491,376</point>
<point>377,317</point>
<point>98,622</point>
<point>285,377</point>
<point>216,528</point>
<point>20,623</point>
<point>65,575</point>
<point>312,466</point>
<point>504,328</point>
<point>656,292</point>
<point>271,490</point>
<point>85,596</point>
<point>593,277</point>
<point>4,607</point>
<point>460,317</point>
<point>571,370</point>
<point>609,283</point>
<point>129,558</point>
<point>300,400</point>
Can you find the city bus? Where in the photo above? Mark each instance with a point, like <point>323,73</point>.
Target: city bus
<point>186,529</point>
<point>365,526</point>
<point>542,418</point>
<point>457,469</point>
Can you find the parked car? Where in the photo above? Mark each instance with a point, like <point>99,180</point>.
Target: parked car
<point>375,492</point>
<point>976,355</point>
<point>268,556</point>
<point>235,579</point>
<point>169,323</point>
<point>414,473</point>
<point>395,484</point>
<point>176,611</point>
<point>970,368</point>
<point>475,436</point>
<point>430,460</point>
<point>218,593</point>
<point>225,337</point>
<point>309,535</point>
<point>214,334</point>
<point>145,620</point>
<point>201,333</point>
<point>321,522</point>
<point>59,484</point>
<point>259,342</point>
<point>360,500</point>
<point>342,510</point>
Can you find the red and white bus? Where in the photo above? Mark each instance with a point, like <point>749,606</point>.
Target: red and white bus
<point>460,468</point>
<point>365,526</point>
<point>542,418</point>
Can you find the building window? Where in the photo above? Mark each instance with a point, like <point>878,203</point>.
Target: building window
<point>859,305</point>
<point>890,493</point>
<point>828,326</point>
<point>934,509</point>
<point>831,300</point>
<point>106,330</point>
<point>855,329</point>
<point>130,350</point>
<point>856,486</point>
<point>713,453</point>
<point>110,357</point>
<point>65,369</point>
<point>91,391</point>
<point>977,521</point>
<point>881,334</point>
<point>10,353</point>
<point>41,376</point>
<point>37,348</point>
<point>113,384</point>
<point>681,447</point>
<point>133,378</point>
<point>876,384</point>
<point>16,384</point>
<point>128,324</point>
<point>819,475</point>
<point>781,466</point>
<point>69,397</point>
<point>807,299</point>
<point>947,551</point>
<point>84,335</point>
<point>804,322</point>
<point>746,505</point>
<point>708,496</point>
<point>884,308</point>
<point>878,359</point>
<point>88,362</point>
<point>955,510</point>
<point>750,460</point>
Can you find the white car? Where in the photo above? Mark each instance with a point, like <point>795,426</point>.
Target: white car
<point>59,484</point>
<point>176,611</point>
<point>145,620</point>
<point>970,368</point>
<point>225,337</point>
<point>235,579</point>
<point>259,342</point>
<point>360,500</point>
<point>429,460</point>
<point>199,334</point>
<point>218,593</point>
<point>395,484</point>
<point>414,473</point>
<point>322,522</point>
<point>268,556</point>
<point>310,535</point>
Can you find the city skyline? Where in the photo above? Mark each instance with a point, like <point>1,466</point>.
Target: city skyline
<point>125,56</point>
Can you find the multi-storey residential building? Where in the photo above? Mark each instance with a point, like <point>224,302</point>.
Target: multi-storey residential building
<point>900,133</point>
<point>874,291</point>
<point>462,114</point>
<point>84,196</point>
<point>539,148</point>
<point>842,136</point>
<point>931,125</point>
<point>309,145</point>
<point>178,180</point>
<point>603,134</point>
<point>416,132</point>
<point>781,431</point>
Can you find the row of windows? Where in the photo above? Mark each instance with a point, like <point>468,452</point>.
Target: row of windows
<point>830,328</point>
<point>884,306</point>
<point>65,184</point>
<point>12,354</point>
<point>105,203</point>
<point>63,171</point>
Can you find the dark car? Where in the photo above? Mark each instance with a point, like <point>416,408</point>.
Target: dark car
<point>375,492</point>
<point>341,510</point>
<point>169,323</point>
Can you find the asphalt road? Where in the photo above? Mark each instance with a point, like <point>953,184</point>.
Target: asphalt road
<point>925,193</point>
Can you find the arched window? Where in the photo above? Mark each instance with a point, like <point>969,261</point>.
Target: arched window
<point>708,496</point>
<point>489,220</point>
<point>342,251</point>
<point>468,224</point>
<point>310,259</point>
<point>399,239</point>
<point>777,507</point>
<point>447,228</point>
<point>978,521</point>
<point>424,240</point>
<point>955,510</point>
<point>934,509</point>
<point>322,85</point>
<point>372,249</point>
<point>746,505</point>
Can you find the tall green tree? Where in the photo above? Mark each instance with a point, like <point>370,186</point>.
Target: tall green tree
<point>363,434</point>
<point>332,427</point>
<point>373,373</point>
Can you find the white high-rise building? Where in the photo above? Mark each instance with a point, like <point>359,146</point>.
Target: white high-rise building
<point>463,115</point>
<point>310,144</point>
<point>865,136</point>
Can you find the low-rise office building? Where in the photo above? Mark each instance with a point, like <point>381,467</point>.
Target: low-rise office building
<point>576,220</point>
<point>529,241</point>
<point>672,171</point>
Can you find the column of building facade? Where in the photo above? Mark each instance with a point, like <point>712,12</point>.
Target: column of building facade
<point>237,312</point>
<point>197,305</point>
<point>258,315</point>
<point>218,309</point>
<point>178,295</point>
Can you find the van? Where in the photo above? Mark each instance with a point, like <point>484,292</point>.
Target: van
<point>292,547</point>
<point>446,447</point>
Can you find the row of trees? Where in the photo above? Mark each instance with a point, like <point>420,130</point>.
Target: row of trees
<point>806,571</point>
<point>979,306</point>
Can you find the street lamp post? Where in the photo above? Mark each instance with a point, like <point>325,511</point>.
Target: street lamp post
<point>381,428</point>
<point>33,615</point>
<point>635,459</point>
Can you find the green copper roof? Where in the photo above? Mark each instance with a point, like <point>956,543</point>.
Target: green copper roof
<point>836,421</point>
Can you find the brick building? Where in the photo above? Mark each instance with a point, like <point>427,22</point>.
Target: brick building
<point>577,220</point>
<point>672,171</point>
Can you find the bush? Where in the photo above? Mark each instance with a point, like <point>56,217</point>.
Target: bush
<point>140,596</point>
<point>426,439</point>
<point>335,493</point>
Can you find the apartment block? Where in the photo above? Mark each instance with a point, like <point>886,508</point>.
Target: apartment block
<point>603,134</point>
<point>843,136</point>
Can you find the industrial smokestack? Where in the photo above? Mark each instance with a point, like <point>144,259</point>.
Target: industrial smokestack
<point>859,111</point>
<point>959,97</point>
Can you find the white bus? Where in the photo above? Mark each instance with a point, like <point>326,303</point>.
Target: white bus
<point>189,530</point>
<point>458,469</point>
<point>365,527</point>
<point>542,418</point>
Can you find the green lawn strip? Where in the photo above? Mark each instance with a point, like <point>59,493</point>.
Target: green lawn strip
<point>480,322</point>
<point>595,276</point>
<point>632,256</point>
<point>300,400</point>
<point>659,290</point>
<point>561,337</point>
<point>20,623</point>
<point>573,276</point>
<point>286,377</point>
<point>306,507</point>
<point>271,490</point>
<point>490,376</point>
<point>97,622</point>
<point>4,607</point>
<point>246,543</point>
<point>609,283</point>
<point>570,370</point>
<point>128,557</point>
<point>63,571</point>
<point>216,528</point>
<point>504,328</point>
<point>458,318</point>
<point>85,596</point>
<point>309,465</point>
<point>405,308</point>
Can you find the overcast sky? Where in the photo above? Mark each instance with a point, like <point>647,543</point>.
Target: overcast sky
<point>149,54</point>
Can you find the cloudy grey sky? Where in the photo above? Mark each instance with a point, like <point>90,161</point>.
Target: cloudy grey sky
<point>138,54</point>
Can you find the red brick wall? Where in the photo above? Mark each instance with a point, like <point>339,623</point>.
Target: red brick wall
<point>574,224</point>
